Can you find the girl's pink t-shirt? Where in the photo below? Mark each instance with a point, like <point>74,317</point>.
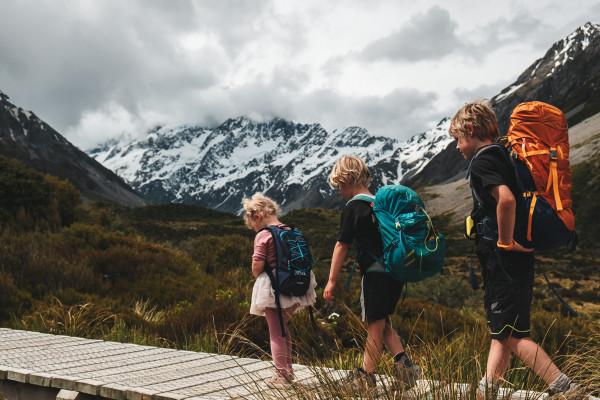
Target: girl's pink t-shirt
<point>264,248</point>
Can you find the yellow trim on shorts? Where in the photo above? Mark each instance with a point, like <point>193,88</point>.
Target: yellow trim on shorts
<point>511,327</point>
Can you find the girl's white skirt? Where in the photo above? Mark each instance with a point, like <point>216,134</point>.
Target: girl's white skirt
<point>263,296</point>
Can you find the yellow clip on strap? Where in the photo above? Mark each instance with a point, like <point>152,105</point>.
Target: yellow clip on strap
<point>469,225</point>
<point>529,221</point>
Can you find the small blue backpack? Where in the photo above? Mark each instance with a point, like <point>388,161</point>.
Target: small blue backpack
<point>291,275</point>
<point>412,248</point>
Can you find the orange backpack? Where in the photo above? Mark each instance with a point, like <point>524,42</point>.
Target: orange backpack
<point>538,142</point>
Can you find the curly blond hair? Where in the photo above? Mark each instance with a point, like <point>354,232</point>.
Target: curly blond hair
<point>259,204</point>
<point>477,115</point>
<point>350,170</point>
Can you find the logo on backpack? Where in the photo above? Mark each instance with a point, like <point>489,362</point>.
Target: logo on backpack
<point>412,248</point>
<point>537,146</point>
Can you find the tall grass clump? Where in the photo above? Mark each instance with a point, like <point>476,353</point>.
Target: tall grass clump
<point>82,320</point>
<point>451,366</point>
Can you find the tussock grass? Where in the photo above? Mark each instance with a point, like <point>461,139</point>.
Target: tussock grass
<point>451,365</point>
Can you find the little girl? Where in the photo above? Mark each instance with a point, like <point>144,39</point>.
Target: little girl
<point>260,212</point>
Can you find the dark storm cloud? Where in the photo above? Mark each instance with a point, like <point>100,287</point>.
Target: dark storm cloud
<point>423,37</point>
<point>399,114</point>
<point>63,58</point>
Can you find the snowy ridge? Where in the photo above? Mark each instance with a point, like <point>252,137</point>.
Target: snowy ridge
<point>415,153</point>
<point>558,56</point>
<point>218,167</point>
<point>576,41</point>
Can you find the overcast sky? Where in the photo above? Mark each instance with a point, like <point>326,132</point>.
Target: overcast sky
<point>96,69</point>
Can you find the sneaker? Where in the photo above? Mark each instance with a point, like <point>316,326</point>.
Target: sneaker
<point>280,382</point>
<point>359,381</point>
<point>574,392</point>
<point>406,373</point>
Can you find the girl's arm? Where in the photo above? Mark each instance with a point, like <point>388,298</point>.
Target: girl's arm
<point>337,259</point>
<point>258,266</point>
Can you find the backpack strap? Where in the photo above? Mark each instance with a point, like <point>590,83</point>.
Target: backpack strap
<point>364,197</point>
<point>564,303</point>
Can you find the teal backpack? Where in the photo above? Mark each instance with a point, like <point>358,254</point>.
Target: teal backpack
<point>412,248</point>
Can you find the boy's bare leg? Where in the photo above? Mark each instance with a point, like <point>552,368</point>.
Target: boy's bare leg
<point>498,360</point>
<point>392,340</point>
<point>535,358</point>
<point>374,345</point>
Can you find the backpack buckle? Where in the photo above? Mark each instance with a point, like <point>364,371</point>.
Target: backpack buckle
<point>553,155</point>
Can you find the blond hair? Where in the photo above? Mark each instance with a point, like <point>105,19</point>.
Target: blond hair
<point>259,204</point>
<point>350,171</point>
<point>477,115</point>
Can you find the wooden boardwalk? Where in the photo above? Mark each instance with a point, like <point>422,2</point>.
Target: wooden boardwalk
<point>127,371</point>
<point>96,369</point>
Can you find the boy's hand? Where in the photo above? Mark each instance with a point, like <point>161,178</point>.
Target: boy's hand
<point>328,292</point>
<point>337,259</point>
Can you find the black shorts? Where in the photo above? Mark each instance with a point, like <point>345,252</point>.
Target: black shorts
<point>379,295</point>
<point>508,286</point>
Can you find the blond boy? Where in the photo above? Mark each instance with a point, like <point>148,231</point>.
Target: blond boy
<point>507,266</point>
<point>379,292</point>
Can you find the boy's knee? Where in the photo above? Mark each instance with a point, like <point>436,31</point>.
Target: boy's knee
<point>377,325</point>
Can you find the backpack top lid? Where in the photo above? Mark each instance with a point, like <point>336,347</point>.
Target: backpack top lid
<point>398,199</point>
<point>539,121</point>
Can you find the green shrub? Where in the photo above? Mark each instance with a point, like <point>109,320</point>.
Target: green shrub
<point>30,200</point>
<point>215,254</point>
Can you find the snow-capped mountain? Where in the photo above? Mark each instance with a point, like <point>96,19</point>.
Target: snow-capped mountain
<point>568,77</point>
<point>290,162</point>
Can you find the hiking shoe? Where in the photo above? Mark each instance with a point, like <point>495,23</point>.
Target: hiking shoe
<point>406,373</point>
<point>574,392</point>
<point>280,382</point>
<point>359,381</point>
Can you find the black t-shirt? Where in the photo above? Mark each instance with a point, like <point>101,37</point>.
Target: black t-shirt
<point>359,226</point>
<point>491,168</point>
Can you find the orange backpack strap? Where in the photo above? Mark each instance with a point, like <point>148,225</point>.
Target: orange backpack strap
<point>533,196</point>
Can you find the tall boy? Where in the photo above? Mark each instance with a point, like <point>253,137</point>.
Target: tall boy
<point>507,266</point>
<point>380,293</point>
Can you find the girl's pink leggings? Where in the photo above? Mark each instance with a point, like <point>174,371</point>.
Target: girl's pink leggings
<point>281,347</point>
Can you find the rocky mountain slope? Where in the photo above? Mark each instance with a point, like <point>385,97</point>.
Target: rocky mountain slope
<point>568,77</point>
<point>27,138</point>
